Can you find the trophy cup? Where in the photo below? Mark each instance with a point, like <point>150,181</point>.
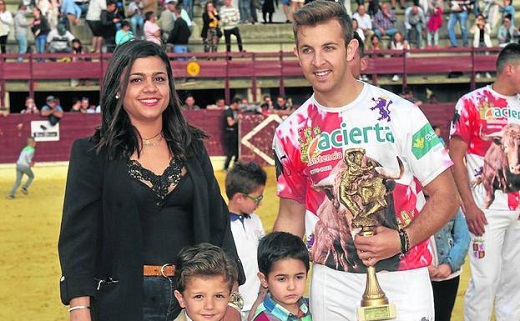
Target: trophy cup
<point>362,190</point>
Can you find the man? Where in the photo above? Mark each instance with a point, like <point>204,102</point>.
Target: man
<point>21,28</point>
<point>109,20</point>
<point>180,34</point>
<point>60,40</point>
<point>364,21</point>
<point>231,132</point>
<point>332,155</point>
<point>484,138</point>
<point>458,13</point>
<point>384,21</point>
<point>168,17</point>
<point>53,111</point>
<point>506,32</point>
<point>414,21</point>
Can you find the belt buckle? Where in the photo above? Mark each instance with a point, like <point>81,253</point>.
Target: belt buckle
<point>163,271</point>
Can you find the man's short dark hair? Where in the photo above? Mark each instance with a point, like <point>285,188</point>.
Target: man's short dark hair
<point>244,178</point>
<point>277,246</point>
<point>510,54</point>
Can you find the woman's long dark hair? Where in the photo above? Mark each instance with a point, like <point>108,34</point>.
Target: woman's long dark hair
<point>117,136</point>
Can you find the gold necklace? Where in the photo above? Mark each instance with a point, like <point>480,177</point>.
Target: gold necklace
<point>149,142</point>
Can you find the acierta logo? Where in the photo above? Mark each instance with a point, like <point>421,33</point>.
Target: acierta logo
<point>423,141</point>
<point>313,142</point>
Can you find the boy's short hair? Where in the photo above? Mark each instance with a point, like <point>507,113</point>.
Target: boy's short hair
<point>277,246</point>
<point>204,260</point>
<point>244,178</point>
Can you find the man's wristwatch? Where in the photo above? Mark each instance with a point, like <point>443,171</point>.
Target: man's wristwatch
<point>236,300</point>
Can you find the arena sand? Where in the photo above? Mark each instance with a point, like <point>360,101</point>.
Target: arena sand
<point>29,266</point>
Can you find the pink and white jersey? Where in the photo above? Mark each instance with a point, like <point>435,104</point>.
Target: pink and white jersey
<point>369,158</point>
<point>490,124</point>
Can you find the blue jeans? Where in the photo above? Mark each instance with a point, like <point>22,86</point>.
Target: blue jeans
<point>137,21</point>
<point>389,32</point>
<point>180,49</point>
<point>462,19</point>
<point>159,302</point>
<point>39,42</point>
<point>418,35</point>
<point>245,10</point>
<point>22,45</point>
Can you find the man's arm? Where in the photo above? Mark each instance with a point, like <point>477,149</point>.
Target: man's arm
<point>474,216</point>
<point>440,207</point>
<point>291,217</point>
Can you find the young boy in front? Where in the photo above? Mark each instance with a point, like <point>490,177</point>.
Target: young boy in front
<point>205,278</point>
<point>245,184</point>
<point>283,261</point>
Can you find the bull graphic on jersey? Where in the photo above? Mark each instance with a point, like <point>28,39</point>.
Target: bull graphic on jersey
<point>382,105</point>
<point>501,170</point>
<point>357,188</point>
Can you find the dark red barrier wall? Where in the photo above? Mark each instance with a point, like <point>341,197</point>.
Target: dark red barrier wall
<point>256,133</point>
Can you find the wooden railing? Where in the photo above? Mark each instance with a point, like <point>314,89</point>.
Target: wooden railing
<point>249,66</point>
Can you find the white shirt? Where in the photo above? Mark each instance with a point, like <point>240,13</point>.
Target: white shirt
<point>247,237</point>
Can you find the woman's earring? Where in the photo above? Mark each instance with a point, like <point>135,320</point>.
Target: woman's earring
<point>117,96</point>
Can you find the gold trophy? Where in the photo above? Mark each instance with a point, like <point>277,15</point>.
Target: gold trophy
<point>362,191</point>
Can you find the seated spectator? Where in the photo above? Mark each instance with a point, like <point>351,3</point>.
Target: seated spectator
<point>384,22</point>
<point>375,45</point>
<point>482,37</point>
<point>506,32</point>
<point>60,40</point>
<point>30,107</point>
<point>399,43</point>
<point>52,110</point>
<point>364,22</point>
<point>219,105</point>
<point>506,8</point>
<point>124,34</point>
<point>190,104</point>
<point>358,31</point>
<point>359,63</point>
<point>414,21</point>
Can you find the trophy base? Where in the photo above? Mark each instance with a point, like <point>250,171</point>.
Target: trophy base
<point>376,313</point>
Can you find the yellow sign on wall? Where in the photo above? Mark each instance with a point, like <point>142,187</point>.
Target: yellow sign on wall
<point>193,68</point>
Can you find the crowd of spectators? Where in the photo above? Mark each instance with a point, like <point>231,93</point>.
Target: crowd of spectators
<point>171,24</point>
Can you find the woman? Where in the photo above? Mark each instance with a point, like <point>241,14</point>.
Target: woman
<point>6,20</point>
<point>40,29</point>
<point>138,191</point>
<point>211,32</point>
<point>152,32</point>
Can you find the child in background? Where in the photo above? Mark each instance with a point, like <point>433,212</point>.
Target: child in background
<point>124,34</point>
<point>283,261</point>
<point>23,166</point>
<point>245,184</point>
<point>205,277</point>
<point>434,24</point>
<point>449,246</point>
